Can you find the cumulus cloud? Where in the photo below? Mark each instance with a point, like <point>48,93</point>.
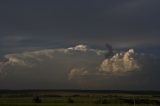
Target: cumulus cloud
<point>67,67</point>
<point>77,72</point>
<point>120,63</point>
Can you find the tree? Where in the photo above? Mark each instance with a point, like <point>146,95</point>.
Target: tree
<point>37,99</point>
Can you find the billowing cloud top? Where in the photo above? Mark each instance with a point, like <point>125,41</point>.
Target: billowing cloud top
<point>120,62</point>
<point>78,67</point>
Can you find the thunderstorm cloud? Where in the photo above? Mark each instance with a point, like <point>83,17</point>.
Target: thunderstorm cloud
<point>78,67</point>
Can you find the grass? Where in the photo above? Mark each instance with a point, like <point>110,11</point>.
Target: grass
<point>82,99</point>
<point>67,104</point>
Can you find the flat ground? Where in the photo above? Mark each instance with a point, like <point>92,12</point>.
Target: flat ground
<point>79,98</point>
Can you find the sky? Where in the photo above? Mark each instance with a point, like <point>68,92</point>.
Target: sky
<point>60,44</point>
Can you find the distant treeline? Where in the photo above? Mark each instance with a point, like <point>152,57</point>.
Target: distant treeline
<point>83,91</point>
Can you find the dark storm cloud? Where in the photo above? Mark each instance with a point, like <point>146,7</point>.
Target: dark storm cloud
<point>123,23</point>
<point>27,25</point>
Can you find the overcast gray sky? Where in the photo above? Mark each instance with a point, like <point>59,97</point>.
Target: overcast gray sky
<point>52,23</point>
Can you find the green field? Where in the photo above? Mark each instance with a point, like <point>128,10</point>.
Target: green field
<point>78,98</point>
